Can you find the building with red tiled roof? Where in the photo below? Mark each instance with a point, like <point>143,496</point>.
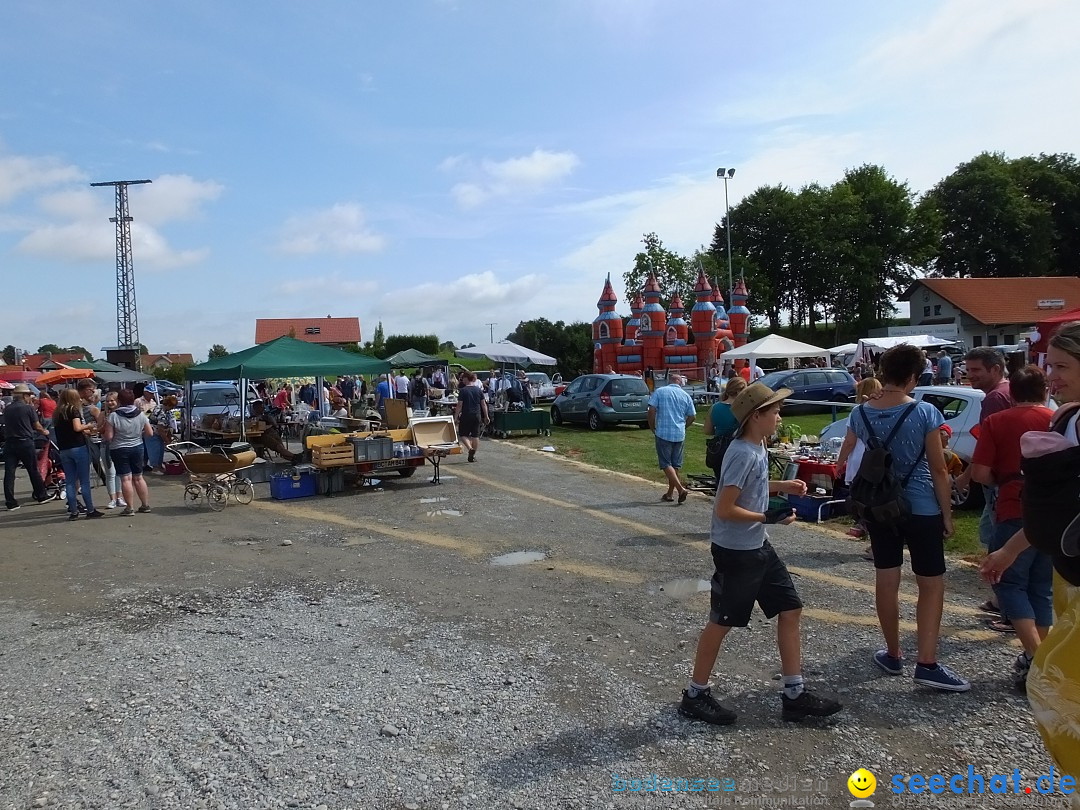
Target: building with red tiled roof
<point>989,311</point>
<point>327,331</point>
<point>167,360</point>
<point>47,361</point>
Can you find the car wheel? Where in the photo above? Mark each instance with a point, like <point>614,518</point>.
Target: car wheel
<point>406,472</point>
<point>594,421</point>
<point>556,416</point>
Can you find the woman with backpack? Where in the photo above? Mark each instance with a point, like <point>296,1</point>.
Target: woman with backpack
<point>721,425</point>
<point>902,491</point>
<point>1050,515</point>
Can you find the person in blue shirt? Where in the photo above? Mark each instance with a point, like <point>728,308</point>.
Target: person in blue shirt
<point>944,369</point>
<point>720,421</point>
<point>382,393</point>
<point>919,462</point>
<point>671,412</point>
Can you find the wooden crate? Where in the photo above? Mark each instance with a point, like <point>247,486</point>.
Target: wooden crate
<point>339,455</point>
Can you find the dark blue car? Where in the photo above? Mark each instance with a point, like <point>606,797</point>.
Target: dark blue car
<point>812,384</point>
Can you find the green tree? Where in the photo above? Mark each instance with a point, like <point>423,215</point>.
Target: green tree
<point>217,350</point>
<point>174,373</point>
<point>570,344</point>
<point>990,226</point>
<point>447,346</point>
<point>674,273</point>
<point>429,344</point>
<point>49,347</point>
<point>377,345</point>
<point>10,353</point>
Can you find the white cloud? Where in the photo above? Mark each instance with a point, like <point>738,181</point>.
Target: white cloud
<point>510,178</point>
<point>172,197</point>
<point>335,284</point>
<point>342,228</point>
<point>20,174</point>
<point>72,223</point>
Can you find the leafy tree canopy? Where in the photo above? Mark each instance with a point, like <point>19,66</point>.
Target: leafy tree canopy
<point>217,350</point>
<point>428,344</point>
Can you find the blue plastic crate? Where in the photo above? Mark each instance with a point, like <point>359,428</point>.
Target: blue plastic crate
<point>284,486</point>
<point>809,507</point>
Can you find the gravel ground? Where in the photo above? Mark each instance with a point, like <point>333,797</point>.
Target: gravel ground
<point>379,661</point>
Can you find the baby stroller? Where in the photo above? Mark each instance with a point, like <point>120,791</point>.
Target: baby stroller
<point>51,469</point>
<point>212,475</point>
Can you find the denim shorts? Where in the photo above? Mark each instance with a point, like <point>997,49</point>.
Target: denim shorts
<point>128,460</point>
<point>669,454</point>
<point>1025,589</point>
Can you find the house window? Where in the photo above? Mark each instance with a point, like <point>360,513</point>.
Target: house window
<point>926,312</point>
<point>1010,339</point>
<point>991,340</point>
<point>937,309</point>
<point>976,341</point>
<point>603,331</point>
<point>312,330</point>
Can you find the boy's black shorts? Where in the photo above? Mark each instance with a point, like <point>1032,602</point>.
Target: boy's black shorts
<point>746,576</point>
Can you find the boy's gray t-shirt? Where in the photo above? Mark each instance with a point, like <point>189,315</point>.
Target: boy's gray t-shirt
<point>746,466</point>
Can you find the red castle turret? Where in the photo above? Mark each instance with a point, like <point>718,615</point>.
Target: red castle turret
<point>653,340</point>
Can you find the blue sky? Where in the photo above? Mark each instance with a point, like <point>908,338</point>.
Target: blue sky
<point>440,164</point>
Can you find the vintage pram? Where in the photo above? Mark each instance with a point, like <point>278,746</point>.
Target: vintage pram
<point>213,474</point>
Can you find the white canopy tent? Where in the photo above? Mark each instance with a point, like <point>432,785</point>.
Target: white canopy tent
<point>881,344</point>
<point>775,346</point>
<point>509,353</point>
<point>846,348</point>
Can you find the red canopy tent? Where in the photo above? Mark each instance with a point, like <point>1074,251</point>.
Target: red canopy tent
<point>1048,326</point>
<point>18,375</point>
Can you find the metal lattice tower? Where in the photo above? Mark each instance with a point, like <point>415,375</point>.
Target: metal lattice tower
<point>127,316</point>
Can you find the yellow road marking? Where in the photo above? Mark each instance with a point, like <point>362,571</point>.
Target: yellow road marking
<point>611,574</point>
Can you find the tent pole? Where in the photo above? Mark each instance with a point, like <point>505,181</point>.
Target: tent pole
<point>243,407</point>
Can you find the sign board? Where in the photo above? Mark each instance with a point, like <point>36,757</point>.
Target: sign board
<point>946,331</point>
<point>1051,303</point>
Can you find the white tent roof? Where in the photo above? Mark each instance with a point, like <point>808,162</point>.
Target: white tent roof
<point>507,352</point>
<point>775,346</point>
<point>922,341</point>
<point>846,348</point>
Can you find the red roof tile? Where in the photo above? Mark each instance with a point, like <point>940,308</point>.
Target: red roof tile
<point>330,330</point>
<point>1003,300</point>
<point>34,361</point>
<point>149,359</point>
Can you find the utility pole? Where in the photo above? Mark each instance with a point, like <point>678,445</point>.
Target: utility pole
<point>491,331</point>
<point>127,317</point>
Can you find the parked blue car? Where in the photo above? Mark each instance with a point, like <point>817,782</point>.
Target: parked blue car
<point>814,384</point>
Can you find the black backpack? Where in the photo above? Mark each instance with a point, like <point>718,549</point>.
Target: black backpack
<point>876,494</point>
<point>1051,501</point>
<point>419,387</point>
<point>715,448</point>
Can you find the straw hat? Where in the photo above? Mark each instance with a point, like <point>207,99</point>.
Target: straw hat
<point>21,388</point>
<point>754,398</point>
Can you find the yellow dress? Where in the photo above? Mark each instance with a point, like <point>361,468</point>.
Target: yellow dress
<point>1053,684</point>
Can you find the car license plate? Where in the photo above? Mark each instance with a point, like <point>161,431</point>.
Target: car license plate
<point>631,403</point>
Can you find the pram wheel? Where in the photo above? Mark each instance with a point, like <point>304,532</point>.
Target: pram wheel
<point>243,491</point>
<point>217,497</point>
<point>193,495</point>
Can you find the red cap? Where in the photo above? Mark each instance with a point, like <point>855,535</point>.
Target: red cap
<point>946,430</point>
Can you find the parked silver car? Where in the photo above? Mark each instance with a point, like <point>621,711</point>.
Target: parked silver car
<point>600,400</point>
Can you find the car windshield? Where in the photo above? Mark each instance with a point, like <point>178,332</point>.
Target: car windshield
<point>775,379</point>
<point>538,377</point>
<point>619,388</point>
<point>215,397</point>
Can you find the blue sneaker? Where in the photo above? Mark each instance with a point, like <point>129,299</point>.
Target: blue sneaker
<point>889,664</point>
<point>940,677</point>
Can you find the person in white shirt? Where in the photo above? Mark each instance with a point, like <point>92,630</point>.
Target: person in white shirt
<point>401,386</point>
<point>756,373</point>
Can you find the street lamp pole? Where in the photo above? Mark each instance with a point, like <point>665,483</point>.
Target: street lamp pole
<point>725,175</point>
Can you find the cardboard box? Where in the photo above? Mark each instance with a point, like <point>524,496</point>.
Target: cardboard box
<point>434,430</point>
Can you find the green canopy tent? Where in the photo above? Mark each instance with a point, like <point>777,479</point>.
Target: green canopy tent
<point>414,358</point>
<point>283,357</point>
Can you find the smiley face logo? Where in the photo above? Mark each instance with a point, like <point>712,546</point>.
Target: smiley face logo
<point>862,784</point>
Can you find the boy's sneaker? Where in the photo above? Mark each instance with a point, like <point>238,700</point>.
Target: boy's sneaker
<point>1021,668</point>
<point>142,510</point>
<point>889,664</point>
<point>808,704</point>
<point>707,708</point>
<point>96,514</point>
<point>128,512</point>
<point>81,507</point>
<point>940,677</point>
<point>73,515</point>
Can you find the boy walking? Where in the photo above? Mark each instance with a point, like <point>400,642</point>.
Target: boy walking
<point>748,569</point>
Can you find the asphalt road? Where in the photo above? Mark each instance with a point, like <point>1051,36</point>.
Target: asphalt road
<point>548,683</point>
